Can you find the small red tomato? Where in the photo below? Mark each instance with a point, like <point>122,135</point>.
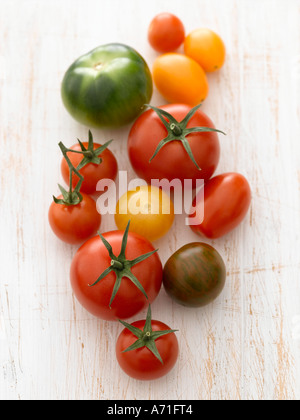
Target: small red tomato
<point>227,199</point>
<point>97,166</point>
<point>166,33</point>
<point>147,350</point>
<point>74,224</point>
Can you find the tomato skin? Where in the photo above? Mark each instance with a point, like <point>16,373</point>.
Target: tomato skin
<point>75,224</point>
<point>141,364</point>
<point>180,79</point>
<point>195,275</point>
<point>207,48</point>
<point>92,260</point>
<point>91,173</point>
<point>107,87</point>
<point>227,199</point>
<point>157,219</point>
<point>172,162</point>
<point>166,33</point>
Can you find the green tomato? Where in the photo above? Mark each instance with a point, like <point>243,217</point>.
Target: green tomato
<point>107,87</point>
<point>195,275</point>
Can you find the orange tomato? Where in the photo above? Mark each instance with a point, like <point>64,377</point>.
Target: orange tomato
<point>207,48</point>
<point>180,79</point>
<point>166,33</point>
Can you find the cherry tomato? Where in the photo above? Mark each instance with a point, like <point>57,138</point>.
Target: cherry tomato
<point>92,173</point>
<point>147,350</point>
<point>166,33</point>
<point>150,211</point>
<point>227,199</point>
<point>207,48</point>
<point>118,294</point>
<point>195,275</point>
<point>74,224</point>
<point>180,79</point>
<point>173,160</point>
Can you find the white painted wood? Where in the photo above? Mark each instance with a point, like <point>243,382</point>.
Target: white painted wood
<point>244,346</point>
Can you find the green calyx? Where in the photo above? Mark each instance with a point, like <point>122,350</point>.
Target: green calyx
<point>90,155</point>
<point>121,266</point>
<point>178,131</point>
<point>71,197</point>
<point>147,337</point>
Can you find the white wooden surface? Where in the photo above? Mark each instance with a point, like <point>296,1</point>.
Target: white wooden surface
<point>244,346</point>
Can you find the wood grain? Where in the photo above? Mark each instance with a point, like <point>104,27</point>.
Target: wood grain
<point>244,346</point>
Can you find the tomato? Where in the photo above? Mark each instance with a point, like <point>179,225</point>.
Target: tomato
<point>107,87</point>
<point>180,79</point>
<point>91,172</point>
<point>166,33</point>
<point>74,224</point>
<point>111,287</point>
<point>174,160</point>
<point>150,211</point>
<point>227,199</point>
<point>207,48</point>
<point>195,275</point>
<point>147,350</point>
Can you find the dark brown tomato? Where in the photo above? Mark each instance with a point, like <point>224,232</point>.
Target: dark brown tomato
<point>195,275</point>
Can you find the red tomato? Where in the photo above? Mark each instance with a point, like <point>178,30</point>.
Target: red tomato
<point>227,199</point>
<point>92,172</point>
<point>142,364</point>
<point>74,224</point>
<point>92,259</point>
<point>173,161</point>
<point>166,33</point>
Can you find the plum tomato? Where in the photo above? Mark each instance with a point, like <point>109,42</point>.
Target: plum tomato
<point>207,48</point>
<point>226,202</point>
<point>180,79</point>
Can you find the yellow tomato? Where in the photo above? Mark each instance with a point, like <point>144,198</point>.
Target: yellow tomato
<point>207,48</point>
<point>150,211</point>
<point>180,79</point>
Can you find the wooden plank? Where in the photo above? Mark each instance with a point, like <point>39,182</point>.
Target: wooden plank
<point>244,346</point>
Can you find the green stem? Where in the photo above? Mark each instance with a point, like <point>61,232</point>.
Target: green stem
<point>176,130</point>
<point>88,154</point>
<point>121,266</point>
<point>147,336</point>
<point>71,186</point>
<point>71,197</point>
<point>117,265</point>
